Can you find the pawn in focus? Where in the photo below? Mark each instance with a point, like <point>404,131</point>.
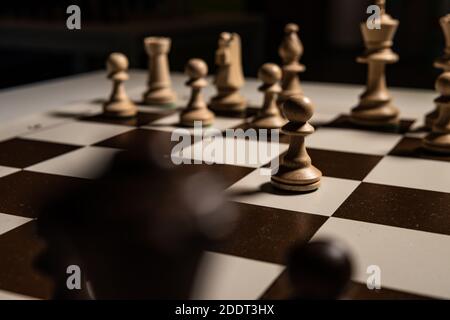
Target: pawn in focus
<point>319,270</point>
<point>119,104</point>
<point>197,108</point>
<point>270,116</point>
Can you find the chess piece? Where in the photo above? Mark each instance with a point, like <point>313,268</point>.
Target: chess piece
<point>269,116</point>
<point>159,84</point>
<point>118,105</point>
<point>197,109</point>
<point>319,270</point>
<point>439,138</point>
<point>229,77</point>
<point>375,107</point>
<point>296,172</point>
<point>290,51</point>
<point>440,63</point>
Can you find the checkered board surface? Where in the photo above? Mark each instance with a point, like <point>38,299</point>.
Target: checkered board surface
<point>383,196</point>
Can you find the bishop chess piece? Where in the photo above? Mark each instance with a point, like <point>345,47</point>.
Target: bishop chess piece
<point>296,172</point>
<point>159,90</point>
<point>319,270</point>
<point>269,116</point>
<point>290,51</point>
<point>229,77</point>
<point>118,105</point>
<point>440,63</point>
<point>197,109</point>
<point>439,138</point>
<point>375,107</point>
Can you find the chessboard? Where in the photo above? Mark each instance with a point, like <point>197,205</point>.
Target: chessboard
<point>381,195</point>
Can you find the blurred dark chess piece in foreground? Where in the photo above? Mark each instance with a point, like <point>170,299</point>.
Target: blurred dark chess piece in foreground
<point>137,232</point>
<point>118,105</point>
<point>319,270</point>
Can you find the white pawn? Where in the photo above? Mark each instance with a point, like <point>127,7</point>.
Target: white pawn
<point>119,104</point>
<point>197,109</point>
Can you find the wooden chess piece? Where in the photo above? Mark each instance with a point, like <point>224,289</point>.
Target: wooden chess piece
<point>375,107</point>
<point>197,109</point>
<point>229,77</point>
<point>291,51</point>
<point>440,63</point>
<point>296,172</point>
<point>269,116</point>
<point>439,138</point>
<point>118,105</point>
<point>319,270</point>
<point>159,84</point>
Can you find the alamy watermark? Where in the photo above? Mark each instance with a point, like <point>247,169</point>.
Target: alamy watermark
<point>374,21</point>
<point>374,278</point>
<point>73,21</point>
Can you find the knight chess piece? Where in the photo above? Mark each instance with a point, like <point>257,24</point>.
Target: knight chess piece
<point>159,90</point>
<point>229,77</point>
<point>119,104</point>
<point>439,138</point>
<point>440,63</point>
<point>197,109</point>
<point>269,116</point>
<point>296,172</point>
<point>291,51</point>
<point>375,107</point>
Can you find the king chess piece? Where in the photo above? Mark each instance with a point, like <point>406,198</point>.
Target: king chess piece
<point>439,138</point>
<point>269,117</point>
<point>229,77</point>
<point>118,104</point>
<point>159,90</point>
<point>291,51</point>
<point>296,172</point>
<point>197,109</point>
<point>375,107</point>
<point>440,63</point>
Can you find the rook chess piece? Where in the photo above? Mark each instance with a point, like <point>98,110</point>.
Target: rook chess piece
<point>229,77</point>
<point>269,116</point>
<point>118,105</point>
<point>159,85</point>
<point>375,107</point>
<point>441,63</point>
<point>439,138</point>
<point>296,172</point>
<point>319,270</point>
<point>290,51</point>
<point>197,109</point>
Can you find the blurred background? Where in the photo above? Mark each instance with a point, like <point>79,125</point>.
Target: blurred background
<point>35,44</point>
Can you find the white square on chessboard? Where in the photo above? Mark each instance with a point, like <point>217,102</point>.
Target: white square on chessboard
<point>9,222</point>
<point>325,201</point>
<point>225,277</point>
<point>79,133</point>
<point>6,295</point>
<point>412,173</point>
<point>86,163</point>
<point>170,123</point>
<point>357,141</point>
<point>239,152</point>
<point>4,171</point>
<point>409,260</point>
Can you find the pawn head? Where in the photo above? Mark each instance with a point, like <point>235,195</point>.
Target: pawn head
<point>291,27</point>
<point>269,73</point>
<point>319,269</point>
<point>196,68</point>
<point>298,108</point>
<point>117,62</point>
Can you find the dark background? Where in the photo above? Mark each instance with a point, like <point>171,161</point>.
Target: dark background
<point>35,44</point>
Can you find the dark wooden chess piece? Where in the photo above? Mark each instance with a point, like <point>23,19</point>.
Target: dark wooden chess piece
<point>296,172</point>
<point>269,117</point>
<point>319,270</point>
<point>138,232</point>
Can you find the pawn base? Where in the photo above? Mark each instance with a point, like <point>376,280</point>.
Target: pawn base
<point>120,109</point>
<point>161,97</point>
<point>188,119</point>
<point>383,116</point>
<point>437,142</point>
<point>297,180</point>
<point>228,102</point>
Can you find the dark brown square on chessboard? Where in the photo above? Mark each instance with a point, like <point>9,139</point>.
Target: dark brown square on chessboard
<point>398,207</point>
<point>412,148</point>
<point>22,153</point>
